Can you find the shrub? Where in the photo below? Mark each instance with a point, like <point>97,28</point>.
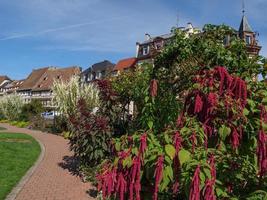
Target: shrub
<point>31,109</point>
<point>66,95</point>
<point>11,106</point>
<point>209,153</point>
<point>20,124</point>
<point>91,134</point>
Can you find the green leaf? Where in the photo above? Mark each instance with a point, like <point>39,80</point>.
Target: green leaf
<point>184,156</point>
<point>245,112</point>
<point>169,172</point>
<point>170,150</point>
<point>150,124</point>
<point>117,146</point>
<point>224,131</point>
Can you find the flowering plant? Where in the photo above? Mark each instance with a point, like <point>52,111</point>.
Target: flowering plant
<point>208,154</point>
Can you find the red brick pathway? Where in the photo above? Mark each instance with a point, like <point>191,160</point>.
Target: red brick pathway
<point>50,181</point>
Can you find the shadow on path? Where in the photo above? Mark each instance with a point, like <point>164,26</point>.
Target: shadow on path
<point>71,164</point>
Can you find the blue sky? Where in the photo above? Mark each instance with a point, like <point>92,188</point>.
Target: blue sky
<point>39,33</point>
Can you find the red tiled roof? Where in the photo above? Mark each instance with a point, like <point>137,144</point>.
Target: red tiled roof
<point>33,78</point>
<point>125,64</point>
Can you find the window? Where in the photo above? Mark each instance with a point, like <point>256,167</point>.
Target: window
<point>248,39</point>
<point>226,40</point>
<point>145,50</point>
<point>158,45</point>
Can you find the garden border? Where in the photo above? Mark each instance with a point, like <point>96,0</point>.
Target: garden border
<point>15,191</point>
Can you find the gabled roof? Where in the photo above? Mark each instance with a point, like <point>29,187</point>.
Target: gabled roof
<point>164,37</point>
<point>14,84</point>
<point>4,78</point>
<point>102,66</point>
<point>33,78</point>
<point>244,25</point>
<point>125,64</point>
<point>46,81</point>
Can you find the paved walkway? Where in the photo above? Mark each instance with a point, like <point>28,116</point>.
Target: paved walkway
<point>51,180</point>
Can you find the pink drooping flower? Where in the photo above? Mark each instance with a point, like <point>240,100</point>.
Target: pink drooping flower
<point>153,87</point>
<point>209,190</point>
<point>177,142</point>
<point>180,120</point>
<point>158,175</point>
<point>121,185</point>
<point>198,104</point>
<point>212,100</point>
<point>239,90</point>
<point>106,182</point>
<point>212,167</point>
<point>135,185</point>
<point>195,185</point>
<point>224,77</point>
<point>235,138</point>
<point>209,193</point>
<point>143,144</point>
<point>262,153</point>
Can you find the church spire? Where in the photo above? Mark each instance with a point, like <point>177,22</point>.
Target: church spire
<point>248,35</point>
<point>244,25</point>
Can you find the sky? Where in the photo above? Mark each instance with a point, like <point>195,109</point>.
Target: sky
<point>40,33</point>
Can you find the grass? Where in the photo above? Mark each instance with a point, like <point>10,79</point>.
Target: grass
<point>18,152</point>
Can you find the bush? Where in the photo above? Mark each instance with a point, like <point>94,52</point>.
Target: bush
<point>66,95</point>
<point>20,124</point>
<point>90,137</point>
<point>11,106</point>
<point>30,110</point>
<point>209,153</point>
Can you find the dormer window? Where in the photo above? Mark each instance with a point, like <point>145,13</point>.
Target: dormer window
<point>145,50</point>
<point>158,45</point>
<point>248,39</point>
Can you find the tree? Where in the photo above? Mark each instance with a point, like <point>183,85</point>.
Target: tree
<point>206,126</point>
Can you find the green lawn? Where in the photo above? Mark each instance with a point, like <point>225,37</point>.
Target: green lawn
<point>18,152</point>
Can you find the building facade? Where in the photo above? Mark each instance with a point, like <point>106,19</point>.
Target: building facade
<point>97,71</point>
<point>39,84</point>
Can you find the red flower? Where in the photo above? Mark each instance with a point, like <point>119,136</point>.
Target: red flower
<point>209,185</point>
<point>235,138</point>
<point>212,99</point>
<point>143,144</point>
<point>158,175</point>
<point>135,185</point>
<point>121,185</point>
<point>198,104</point>
<point>262,153</point>
<point>195,185</point>
<point>177,142</point>
<point>106,182</point>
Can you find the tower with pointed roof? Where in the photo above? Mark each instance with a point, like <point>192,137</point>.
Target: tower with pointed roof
<point>249,36</point>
